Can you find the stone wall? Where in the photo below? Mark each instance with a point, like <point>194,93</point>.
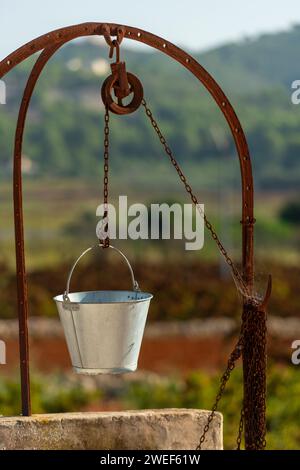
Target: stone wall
<point>168,429</point>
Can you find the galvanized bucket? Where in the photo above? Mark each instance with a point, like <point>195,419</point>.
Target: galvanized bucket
<point>104,329</point>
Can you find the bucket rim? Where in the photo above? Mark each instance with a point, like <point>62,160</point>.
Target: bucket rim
<point>60,297</point>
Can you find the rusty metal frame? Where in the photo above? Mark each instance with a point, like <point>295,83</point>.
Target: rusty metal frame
<point>49,43</point>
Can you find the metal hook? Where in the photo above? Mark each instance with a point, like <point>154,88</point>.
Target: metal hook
<point>115,45</point>
<point>119,80</point>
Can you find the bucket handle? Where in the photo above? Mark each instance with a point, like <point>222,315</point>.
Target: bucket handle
<point>135,285</point>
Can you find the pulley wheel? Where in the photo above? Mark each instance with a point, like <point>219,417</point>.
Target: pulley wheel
<point>118,108</point>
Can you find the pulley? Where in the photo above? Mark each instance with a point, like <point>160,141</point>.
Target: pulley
<point>120,84</point>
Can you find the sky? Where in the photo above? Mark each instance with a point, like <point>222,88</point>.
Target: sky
<point>194,24</point>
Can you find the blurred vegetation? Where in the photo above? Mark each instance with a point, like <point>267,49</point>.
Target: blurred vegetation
<point>63,141</point>
<point>290,213</point>
<point>198,390</point>
<point>53,393</point>
<point>182,290</point>
<point>64,132</point>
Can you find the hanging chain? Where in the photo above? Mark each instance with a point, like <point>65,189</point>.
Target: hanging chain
<point>254,351</point>
<point>234,356</point>
<point>105,239</point>
<point>243,288</point>
<point>255,359</point>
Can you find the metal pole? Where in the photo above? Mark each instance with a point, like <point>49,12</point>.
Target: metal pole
<point>22,292</point>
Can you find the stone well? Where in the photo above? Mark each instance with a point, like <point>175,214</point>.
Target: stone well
<point>166,429</point>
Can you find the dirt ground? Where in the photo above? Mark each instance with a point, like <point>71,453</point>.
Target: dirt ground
<point>162,355</point>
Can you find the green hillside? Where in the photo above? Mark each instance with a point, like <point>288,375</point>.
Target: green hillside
<point>64,133</point>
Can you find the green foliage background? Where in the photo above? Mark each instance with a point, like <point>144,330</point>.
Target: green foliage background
<point>64,136</point>
<point>64,132</point>
<point>54,393</point>
<point>198,390</point>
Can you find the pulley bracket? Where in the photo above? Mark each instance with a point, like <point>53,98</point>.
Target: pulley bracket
<point>120,84</point>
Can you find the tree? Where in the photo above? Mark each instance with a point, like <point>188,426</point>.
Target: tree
<point>290,213</point>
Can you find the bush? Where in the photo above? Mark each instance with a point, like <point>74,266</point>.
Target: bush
<point>53,393</point>
<point>198,390</point>
<point>290,213</point>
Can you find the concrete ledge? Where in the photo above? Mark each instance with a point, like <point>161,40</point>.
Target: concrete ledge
<point>146,430</point>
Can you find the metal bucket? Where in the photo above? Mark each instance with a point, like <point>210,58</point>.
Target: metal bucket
<point>103,329</point>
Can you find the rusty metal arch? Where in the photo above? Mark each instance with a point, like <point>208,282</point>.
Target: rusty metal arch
<point>49,44</point>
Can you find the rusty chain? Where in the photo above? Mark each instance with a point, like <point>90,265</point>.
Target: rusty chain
<point>234,356</point>
<point>105,240</point>
<point>255,349</point>
<point>243,288</point>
